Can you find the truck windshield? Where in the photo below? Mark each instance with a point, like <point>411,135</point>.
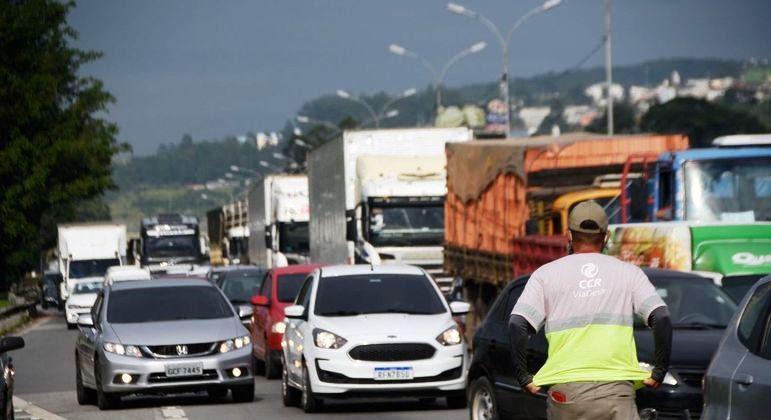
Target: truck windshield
<point>91,268</point>
<point>171,246</point>
<point>731,190</point>
<point>406,225</point>
<point>294,237</point>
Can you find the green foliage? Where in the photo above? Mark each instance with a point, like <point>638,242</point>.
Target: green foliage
<point>624,121</point>
<point>700,120</point>
<point>55,149</point>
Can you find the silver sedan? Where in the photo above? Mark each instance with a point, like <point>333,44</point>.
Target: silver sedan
<point>162,336</point>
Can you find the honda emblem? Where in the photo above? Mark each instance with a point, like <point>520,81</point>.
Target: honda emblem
<point>181,349</point>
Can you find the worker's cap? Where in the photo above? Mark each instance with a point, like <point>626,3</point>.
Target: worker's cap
<point>588,217</point>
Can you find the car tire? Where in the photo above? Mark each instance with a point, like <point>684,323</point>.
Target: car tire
<point>308,400</point>
<point>456,401</point>
<point>85,396</point>
<point>8,399</point>
<point>258,366</point>
<point>482,404</point>
<point>272,365</point>
<point>71,326</point>
<point>289,395</point>
<point>104,400</point>
<point>243,393</point>
<point>44,304</point>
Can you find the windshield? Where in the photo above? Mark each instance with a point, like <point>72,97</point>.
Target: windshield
<point>293,238</point>
<point>406,226</point>
<point>731,190</point>
<point>91,268</point>
<point>738,286</point>
<point>239,287</point>
<point>154,304</point>
<point>172,246</point>
<point>87,287</point>
<point>289,285</point>
<point>372,294</point>
<point>695,302</point>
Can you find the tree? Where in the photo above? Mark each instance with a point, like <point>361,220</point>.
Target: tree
<point>623,120</point>
<point>700,120</point>
<point>55,148</point>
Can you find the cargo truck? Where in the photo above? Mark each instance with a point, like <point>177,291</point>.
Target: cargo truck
<point>229,233</point>
<point>86,250</point>
<point>278,221</point>
<point>492,188</point>
<point>377,196</point>
<point>169,240</point>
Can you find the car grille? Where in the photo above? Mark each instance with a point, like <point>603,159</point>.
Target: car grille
<point>691,378</point>
<point>161,378</point>
<point>339,378</point>
<point>396,352</point>
<point>171,350</point>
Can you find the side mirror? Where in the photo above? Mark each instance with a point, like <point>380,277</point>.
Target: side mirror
<point>11,343</point>
<point>294,311</point>
<point>268,238</point>
<point>85,320</point>
<point>459,308</point>
<point>245,312</point>
<point>259,300</point>
<point>350,225</point>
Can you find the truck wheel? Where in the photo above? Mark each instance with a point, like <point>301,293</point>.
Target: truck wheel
<point>71,326</point>
<point>482,400</point>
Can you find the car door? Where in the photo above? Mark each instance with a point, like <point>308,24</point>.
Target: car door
<point>297,331</point>
<point>87,339</point>
<point>751,382</point>
<point>261,319</point>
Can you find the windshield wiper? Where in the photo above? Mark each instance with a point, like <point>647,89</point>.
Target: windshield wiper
<point>341,313</point>
<point>698,326</point>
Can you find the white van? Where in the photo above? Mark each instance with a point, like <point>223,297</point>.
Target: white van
<point>125,273</point>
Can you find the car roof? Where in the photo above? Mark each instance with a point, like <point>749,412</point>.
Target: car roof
<point>296,269</point>
<point>242,270</point>
<point>352,270</point>
<point>164,282</point>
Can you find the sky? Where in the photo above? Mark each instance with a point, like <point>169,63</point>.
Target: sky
<point>218,68</point>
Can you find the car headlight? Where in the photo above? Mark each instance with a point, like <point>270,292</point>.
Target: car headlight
<point>278,327</point>
<point>668,378</point>
<point>234,343</point>
<point>327,340</point>
<point>120,349</point>
<point>450,337</point>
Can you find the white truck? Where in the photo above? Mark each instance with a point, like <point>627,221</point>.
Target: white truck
<point>86,250</point>
<point>377,196</point>
<point>278,221</point>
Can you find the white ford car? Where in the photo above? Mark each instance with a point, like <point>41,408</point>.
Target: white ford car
<point>372,331</point>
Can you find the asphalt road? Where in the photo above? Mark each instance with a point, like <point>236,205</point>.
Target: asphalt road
<point>45,377</point>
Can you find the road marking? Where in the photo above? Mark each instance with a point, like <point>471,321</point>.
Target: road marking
<point>34,411</point>
<point>173,413</point>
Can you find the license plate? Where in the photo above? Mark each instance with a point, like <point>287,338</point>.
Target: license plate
<point>393,373</point>
<point>184,369</point>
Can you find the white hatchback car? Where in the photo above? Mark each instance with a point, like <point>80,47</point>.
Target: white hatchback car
<point>372,331</point>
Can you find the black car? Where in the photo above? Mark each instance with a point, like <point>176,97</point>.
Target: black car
<point>700,312</point>
<point>239,285</point>
<point>6,380</point>
<point>50,290</point>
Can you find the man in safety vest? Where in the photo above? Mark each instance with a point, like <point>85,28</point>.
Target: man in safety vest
<point>586,301</point>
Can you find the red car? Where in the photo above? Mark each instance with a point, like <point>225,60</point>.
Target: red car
<point>278,291</point>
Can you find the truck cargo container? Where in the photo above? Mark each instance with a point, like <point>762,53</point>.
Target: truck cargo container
<point>228,233</point>
<point>278,221</point>
<point>377,196</point>
<point>489,198</point>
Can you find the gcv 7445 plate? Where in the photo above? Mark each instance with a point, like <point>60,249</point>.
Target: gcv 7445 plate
<point>184,369</point>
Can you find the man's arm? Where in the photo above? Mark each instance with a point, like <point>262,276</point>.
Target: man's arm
<point>519,334</point>
<point>661,324</point>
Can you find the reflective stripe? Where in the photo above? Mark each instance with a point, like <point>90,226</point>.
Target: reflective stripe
<point>582,321</point>
<point>532,314</point>
<point>648,305</point>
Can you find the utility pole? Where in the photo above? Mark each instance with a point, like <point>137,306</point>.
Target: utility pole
<point>608,68</point>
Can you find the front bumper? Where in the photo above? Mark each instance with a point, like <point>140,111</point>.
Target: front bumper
<point>149,375</point>
<point>334,372</point>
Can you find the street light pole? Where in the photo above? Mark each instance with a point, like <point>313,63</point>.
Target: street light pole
<point>608,68</point>
<point>504,42</point>
<point>345,95</point>
<point>406,94</point>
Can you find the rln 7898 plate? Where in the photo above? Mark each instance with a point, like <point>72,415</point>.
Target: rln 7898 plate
<point>393,373</point>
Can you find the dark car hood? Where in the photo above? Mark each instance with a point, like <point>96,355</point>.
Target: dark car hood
<point>690,347</point>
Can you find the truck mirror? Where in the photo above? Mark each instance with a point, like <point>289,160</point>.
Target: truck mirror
<point>350,225</point>
<point>268,240</point>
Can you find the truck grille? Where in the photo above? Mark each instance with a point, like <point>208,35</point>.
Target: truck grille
<point>187,350</point>
<point>396,352</point>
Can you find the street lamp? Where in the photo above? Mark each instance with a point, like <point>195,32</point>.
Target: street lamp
<point>235,168</point>
<point>345,95</point>
<point>301,143</point>
<point>437,76</point>
<point>390,114</point>
<point>303,119</point>
<point>504,41</point>
<point>406,94</point>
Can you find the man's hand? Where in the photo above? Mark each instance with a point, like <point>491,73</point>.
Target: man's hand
<point>532,388</point>
<point>651,383</point>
